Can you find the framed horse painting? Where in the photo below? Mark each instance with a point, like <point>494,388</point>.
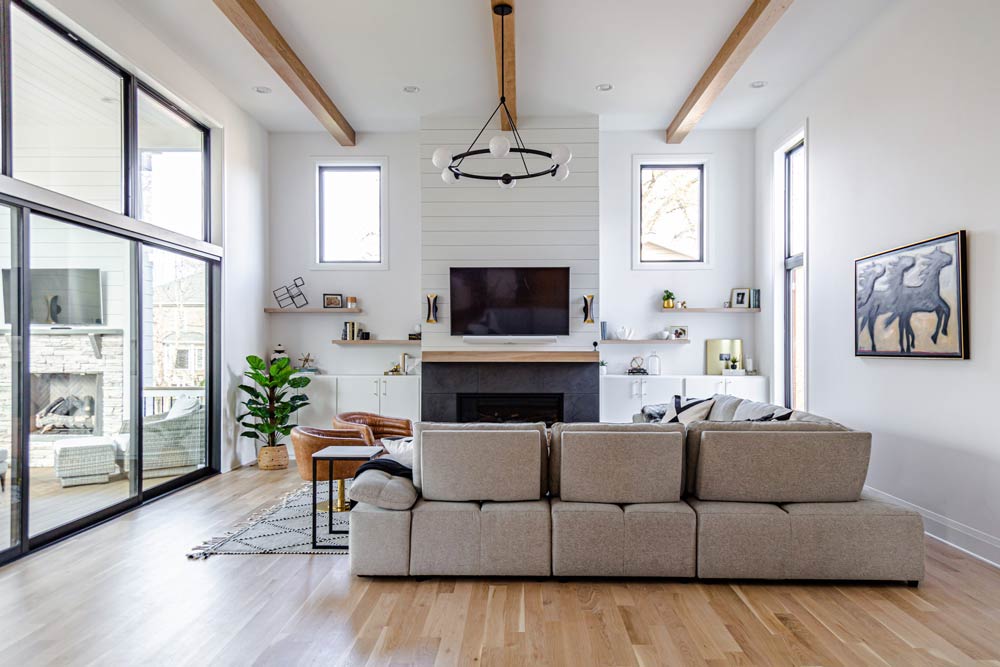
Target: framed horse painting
<point>912,301</point>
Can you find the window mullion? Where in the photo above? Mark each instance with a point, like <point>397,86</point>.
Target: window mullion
<point>6,108</point>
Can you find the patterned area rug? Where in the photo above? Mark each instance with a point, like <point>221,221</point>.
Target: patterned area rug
<point>283,528</point>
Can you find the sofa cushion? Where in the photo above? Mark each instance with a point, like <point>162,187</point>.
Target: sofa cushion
<point>420,427</point>
<point>696,429</point>
<point>444,539</point>
<point>741,540</point>
<point>379,488</point>
<point>685,411</point>
<point>778,467</point>
<point>617,467</point>
<point>724,408</point>
<point>516,539</point>
<point>753,411</point>
<point>481,465</point>
<point>867,539</point>
<point>660,540</point>
<point>400,449</point>
<point>559,428</point>
<point>588,539</point>
<point>379,541</point>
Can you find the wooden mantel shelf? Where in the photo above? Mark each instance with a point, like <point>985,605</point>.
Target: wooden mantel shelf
<point>313,311</point>
<point>468,356</point>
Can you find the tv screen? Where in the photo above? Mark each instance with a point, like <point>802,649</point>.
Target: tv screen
<point>61,296</point>
<point>510,301</point>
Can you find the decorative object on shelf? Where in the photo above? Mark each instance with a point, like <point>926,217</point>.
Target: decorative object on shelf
<point>278,353</point>
<point>499,146</point>
<point>740,297</point>
<point>604,330</point>
<point>603,365</point>
<point>403,359</point>
<point>352,331</point>
<point>588,309</point>
<point>666,334</point>
<point>306,362</point>
<point>755,298</point>
<point>727,304</point>
<point>269,408</point>
<point>719,352</point>
<point>364,335</point>
<point>635,367</point>
<point>749,365</point>
<point>653,363</point>
<point>684,305</point>
<point>395,370</point>
<point>912,301</point>
<point>333,301</point>
<point>678,332</point>
<point>668,299</point>
<point>413,336</point>
<point>432,309</point>
<point>291,295</point>
<point>737,372</point>
<point>352,302</point>
<point>625,333</point>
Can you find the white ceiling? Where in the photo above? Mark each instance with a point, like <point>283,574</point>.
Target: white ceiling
<point>364,51</point>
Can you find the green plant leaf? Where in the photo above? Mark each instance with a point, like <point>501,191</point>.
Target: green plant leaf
<point>250,434</point>
<point>256,362</point>
<point>299,382</point>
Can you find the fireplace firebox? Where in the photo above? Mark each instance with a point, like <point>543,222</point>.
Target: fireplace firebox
<point>500,408</point>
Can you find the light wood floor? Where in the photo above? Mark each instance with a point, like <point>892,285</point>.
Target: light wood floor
<point>124,594</point>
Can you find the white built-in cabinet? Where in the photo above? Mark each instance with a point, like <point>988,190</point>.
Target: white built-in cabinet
<point>390,395</point>
<point>624,395</point>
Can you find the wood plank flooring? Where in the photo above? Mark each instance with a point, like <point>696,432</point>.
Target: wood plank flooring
<point>124,594</point>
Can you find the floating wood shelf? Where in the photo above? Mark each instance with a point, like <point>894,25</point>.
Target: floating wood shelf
<point>711,310</point>
<point>511,357</point>
<point>313,311</point>
<point>646,341</point>
<point>377,341</point>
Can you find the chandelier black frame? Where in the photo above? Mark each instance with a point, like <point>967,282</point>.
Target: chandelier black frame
<point>502,10</point>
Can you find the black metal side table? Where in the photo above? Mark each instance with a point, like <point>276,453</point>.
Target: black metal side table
<point>331,455</point>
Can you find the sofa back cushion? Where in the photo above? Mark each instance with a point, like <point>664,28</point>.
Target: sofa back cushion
<point>695,430</point>
<point>560,428</point>
<point>471,428</point>
<point>480,465</point>
<point>621,467</point>
<point>782,467</point>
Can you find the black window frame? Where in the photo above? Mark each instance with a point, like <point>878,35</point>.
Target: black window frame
<point>702,240</point>
<point>321,214</point>
<point>791,262</point>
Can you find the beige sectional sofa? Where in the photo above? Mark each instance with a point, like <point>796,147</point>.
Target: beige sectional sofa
<point>731,500</point>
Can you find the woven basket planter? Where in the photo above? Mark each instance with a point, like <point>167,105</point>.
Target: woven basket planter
<point>273,458</point>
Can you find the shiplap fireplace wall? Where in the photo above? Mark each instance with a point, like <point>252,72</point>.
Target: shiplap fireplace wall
<point>541,222</point>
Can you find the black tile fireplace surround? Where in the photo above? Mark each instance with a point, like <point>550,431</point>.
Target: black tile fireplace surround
<point>491,391</point>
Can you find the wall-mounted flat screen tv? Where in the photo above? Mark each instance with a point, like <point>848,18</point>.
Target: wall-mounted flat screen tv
<point>503,301</point>
<point>71,297</point>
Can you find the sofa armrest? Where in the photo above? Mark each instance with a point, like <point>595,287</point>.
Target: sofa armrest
<point>782,467</point>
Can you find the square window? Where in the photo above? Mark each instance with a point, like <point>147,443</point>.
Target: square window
<point>671,225</point>
<point>351,227</point>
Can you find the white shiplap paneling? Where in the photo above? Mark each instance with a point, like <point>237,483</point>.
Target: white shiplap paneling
<point>541,222</point>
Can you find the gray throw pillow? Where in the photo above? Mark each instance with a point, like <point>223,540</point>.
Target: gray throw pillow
<point>381,489</point>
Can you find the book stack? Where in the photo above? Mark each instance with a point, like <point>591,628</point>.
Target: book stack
<point>350,331</point>
<point>755,298</point>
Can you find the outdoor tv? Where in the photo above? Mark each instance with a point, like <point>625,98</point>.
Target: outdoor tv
<point>501,301</point>
<point>70,297</point>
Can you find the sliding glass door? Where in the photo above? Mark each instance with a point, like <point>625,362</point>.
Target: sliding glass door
<point>10,491</point>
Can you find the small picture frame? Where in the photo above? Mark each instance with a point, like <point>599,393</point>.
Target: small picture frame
<point>678,332</point>
<point>333,300</point>
<point>740,297</point>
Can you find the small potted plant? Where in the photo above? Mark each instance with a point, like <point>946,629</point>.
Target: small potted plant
<point>668,299</point>
<point>604,366</point>
<point>269,407</point>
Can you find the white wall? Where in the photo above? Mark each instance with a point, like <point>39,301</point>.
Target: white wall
<point>239,185</point>
<point>903,145</point>
<point>633,298</point>
<point>541,222</point>
<point>390,299</point>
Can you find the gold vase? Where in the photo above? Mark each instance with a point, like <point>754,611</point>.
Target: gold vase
<point>668,303</point>
<point>272,458</point>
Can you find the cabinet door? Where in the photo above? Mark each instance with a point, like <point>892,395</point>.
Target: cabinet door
<point>401,397</point>
<point>620,398</point>
<point>322,393</point>
<point>704,386</point>
<point>660,389</point>
<point>358,393</point>
<point>750,387</point>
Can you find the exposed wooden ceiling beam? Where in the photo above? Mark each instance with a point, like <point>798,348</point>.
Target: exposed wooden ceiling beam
<point>748,33</point>
<point>253,23</point>
<point>506,82</point>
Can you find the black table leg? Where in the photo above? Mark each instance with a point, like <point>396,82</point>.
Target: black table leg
<point>329,493</point>
<point>314,504</point>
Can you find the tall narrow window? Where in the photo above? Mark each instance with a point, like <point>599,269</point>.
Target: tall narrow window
<point>671,213</point>
<point>351,229</point>
<point>171,169</point>
<point>67,115</point>
<point>795,276</point>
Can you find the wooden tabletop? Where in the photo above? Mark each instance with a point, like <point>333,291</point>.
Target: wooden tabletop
<point>347,453</point>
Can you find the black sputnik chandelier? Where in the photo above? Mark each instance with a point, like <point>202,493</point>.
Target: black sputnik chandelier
<point>500,146</point>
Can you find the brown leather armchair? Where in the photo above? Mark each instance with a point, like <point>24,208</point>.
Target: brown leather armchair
<point>373,426</point>
<point>307,441</point>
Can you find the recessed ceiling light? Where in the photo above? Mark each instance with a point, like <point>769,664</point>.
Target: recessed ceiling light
<point>411,89</point>
<point>758,84</point>
<point>262,90</point>
<point>604,87</point>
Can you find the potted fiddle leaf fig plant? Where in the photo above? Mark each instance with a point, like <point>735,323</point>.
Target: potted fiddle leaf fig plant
<point>270,402</point>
